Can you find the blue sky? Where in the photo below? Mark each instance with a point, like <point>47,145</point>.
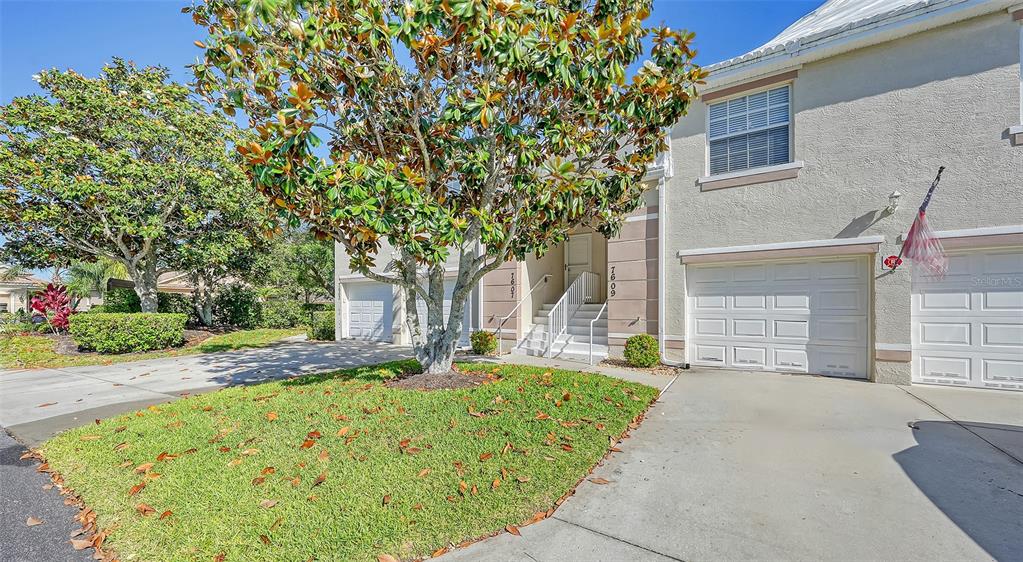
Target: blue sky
<point>83,34</point>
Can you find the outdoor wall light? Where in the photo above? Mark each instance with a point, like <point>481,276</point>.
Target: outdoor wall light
<point>893,202</point>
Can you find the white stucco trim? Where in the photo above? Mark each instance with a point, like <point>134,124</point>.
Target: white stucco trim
<point>893,347</point>
<point>646,217</point>
<point>984,231</point>
<point>831,242</point>
<point>733,179</point>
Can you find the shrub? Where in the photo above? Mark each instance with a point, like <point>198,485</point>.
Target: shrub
<point>126,333</point>
<point>282,314</point>
<point>53,304</point>
<point>174,303</point>
<point>15,323</point>
<point>641,351</point>
<point>483,342</point>
<point>97,308</point>
<point>236,305</point>
<point>121,300</point>
<point>322,327</point>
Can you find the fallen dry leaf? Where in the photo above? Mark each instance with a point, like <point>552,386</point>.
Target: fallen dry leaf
<point>324,455</point>
<point>308,443</point>
<point>258,480</point>
<point>144,509</point>
<point>513,530</point>
<point>485,456</point>
<point>32,522</point>
<point>386,558</point>
<point>495,483</point>
<point>143,467</point>
<point>90,437</point>
<point>438,552</point>
<point>268,470</point>
<point>320,479</point>
<point>600,481</point>
<point>386,500</point>
<point>424,472</point>
<point>271,416</point>
<point>343,431</point>
<point>136,488</point>
<point>314,434</point>
<point>522,479</point>
<point>267,504</point>
<point>276,524</point>
<point>265,539</point>
<point>250,452</point>
<point>46,405</point>
<point>81,544</point>
<point>166,514</point>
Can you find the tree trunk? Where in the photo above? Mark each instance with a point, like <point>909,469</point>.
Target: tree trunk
<point>145,288</point>
<point>442,334</point>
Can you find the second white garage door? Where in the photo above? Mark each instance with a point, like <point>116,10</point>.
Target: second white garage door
<point>968,326</point>
<point>807,316</point>
<point>369,311</point>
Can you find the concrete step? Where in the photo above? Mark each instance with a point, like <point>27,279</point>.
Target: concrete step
<point>582,329</point>
<point>566,338</point>
<point>568,352</point>
<point>575,321</point>
<point>588,307</point>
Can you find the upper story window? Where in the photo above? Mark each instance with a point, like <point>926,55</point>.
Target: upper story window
<point>750,132</point>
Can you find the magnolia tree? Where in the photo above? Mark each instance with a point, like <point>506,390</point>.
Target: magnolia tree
<point>462,132</point>
<point>124,166</point>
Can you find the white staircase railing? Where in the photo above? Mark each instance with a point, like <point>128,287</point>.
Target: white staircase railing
<point>595,318</point>
<point>580,291</point>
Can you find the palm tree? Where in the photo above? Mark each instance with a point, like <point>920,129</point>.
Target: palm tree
<point>86,278</point>
<point>12,272</point>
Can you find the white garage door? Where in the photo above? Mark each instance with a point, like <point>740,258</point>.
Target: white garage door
<point>968,327</point>
<point>369,311</point>
<point>806,316</point>
<point>449,289</point>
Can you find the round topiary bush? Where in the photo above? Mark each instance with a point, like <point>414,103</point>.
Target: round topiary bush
<point>641,351</point>
<point>483,342</point>
<point>126,333</point>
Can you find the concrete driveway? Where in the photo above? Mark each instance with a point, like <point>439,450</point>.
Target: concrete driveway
<point>37,403</point>
<point>732,465</point>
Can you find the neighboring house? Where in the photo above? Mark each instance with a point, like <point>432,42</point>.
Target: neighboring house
<point>15,294</point>
<point>760,243</point>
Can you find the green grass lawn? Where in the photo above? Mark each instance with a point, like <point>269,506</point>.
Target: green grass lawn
<point>32,351</point>
<point>340,466</point>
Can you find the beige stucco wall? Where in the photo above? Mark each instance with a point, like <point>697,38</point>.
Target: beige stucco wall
<point>16,298</point>
<point>867,123</point>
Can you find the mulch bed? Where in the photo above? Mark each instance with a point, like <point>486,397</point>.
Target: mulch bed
<point>660,369</point>
<point>441,381</point>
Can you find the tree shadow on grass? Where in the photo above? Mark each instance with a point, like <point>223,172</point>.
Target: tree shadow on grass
<point>369,373</point>
<point>978,487</point>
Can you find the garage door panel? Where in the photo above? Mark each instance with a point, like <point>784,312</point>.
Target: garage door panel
<point>847,362</point>
<point>968,327</point>
<point>369,311</point>
<point>840,270</point>
<point>798,316</point>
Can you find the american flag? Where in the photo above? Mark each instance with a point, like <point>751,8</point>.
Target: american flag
<point>922,245</point>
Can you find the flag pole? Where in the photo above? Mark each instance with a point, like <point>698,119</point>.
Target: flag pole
<point>923,208</point>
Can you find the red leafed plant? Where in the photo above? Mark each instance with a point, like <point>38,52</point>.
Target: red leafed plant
<point>54,304</point>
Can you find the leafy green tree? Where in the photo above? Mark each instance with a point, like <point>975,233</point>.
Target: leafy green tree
<point>297,267</point>
<point>468,132</point>
<point>124,166</point>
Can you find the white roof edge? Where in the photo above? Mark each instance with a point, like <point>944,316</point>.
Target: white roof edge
<point>783,246</point>
<point>898,23</point>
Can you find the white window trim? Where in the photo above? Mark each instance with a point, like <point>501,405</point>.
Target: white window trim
<point>795,165</point>
<point>790,83</point>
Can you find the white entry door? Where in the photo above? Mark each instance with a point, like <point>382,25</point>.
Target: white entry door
<point>449,290</point>
<point>968,326</point>
<point>806,316</point>
<point>369,311</point>
<point>578,256</point>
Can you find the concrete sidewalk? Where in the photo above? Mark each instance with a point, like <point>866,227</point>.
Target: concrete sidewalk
<point>741,465</point>
<point>35,404</point>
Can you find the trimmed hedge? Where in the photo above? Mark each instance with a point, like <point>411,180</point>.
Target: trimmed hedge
<point>322,327</point>
<point>121,300</point>
<point>126,333</point>
<point>641,350</point>
<point>282,314</point>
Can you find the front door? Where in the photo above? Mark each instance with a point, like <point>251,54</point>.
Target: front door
<point>578,256</point>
